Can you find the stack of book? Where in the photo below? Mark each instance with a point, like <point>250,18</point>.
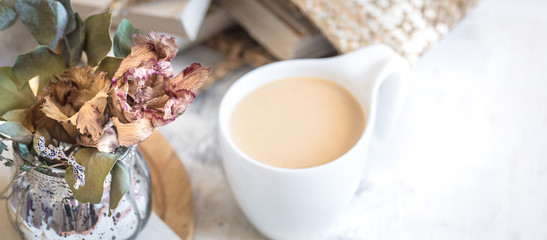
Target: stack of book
<point>289,29</point>
<point>190,21</point>
<point>279,27</point>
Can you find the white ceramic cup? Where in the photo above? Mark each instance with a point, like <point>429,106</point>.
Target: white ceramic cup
<point>301,203</point>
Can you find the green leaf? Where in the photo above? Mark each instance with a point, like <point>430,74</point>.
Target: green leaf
<point>120,183</point>
<point>71,25</point>
<point>15,131</point>
<point>25,167</point>
<point>7,16</point>
<point>123,39</point>
<point>97,37</point>
<point>46,20</point>
<point>11,97</point>
<point>16,115</point>
<point>97,166</point>
<point>42,62</point>
<point>109,65</point>
<point>76,40</point>
<point>41,167</point>
<point>2,147</point>
<point>24,152</point>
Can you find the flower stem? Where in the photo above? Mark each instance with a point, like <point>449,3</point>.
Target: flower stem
<point>8,186</point>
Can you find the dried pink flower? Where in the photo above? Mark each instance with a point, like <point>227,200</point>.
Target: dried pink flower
<point>146,95</point>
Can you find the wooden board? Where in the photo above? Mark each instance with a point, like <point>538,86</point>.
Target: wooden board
<point>171,191</point>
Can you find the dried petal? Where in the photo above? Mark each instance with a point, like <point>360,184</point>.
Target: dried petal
<point>81,76</point>
<point>36,119</point>
<point>190,79</point>
<point>87,120</point>
<point>166,47</point>
<point>87,78</point>
<point>87,84</point>
<point>71,130</point>
<point>114,106</point>
<point>133,133</point>
<point>144,95</point>
<point>34,113</point>
<point>61,90</point>
<point>129,112</point>
<point>154,47</point>
<point>185,97</point>
<point>139,54</point>
<point>142,73</point>
<point>141,39</point>
<point>79,97</point>
<point>52,111</point>
<point>107,143</point>
<point>164,68</point>
<point>157,103</point>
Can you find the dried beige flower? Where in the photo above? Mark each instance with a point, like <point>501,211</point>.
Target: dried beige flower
<point>77,103</point>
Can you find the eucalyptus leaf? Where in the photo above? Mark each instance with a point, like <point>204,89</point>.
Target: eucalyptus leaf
<point>11,97</point>
<point>46,20</point>
<point>24,139</point>
<point>97,166</point>
<point>24,152</point>
<point>7,16</point>
<point>97,37</point>
<point>72,50</point>
<point>9,3</point>
<point>71,25</point>
<point>2,148</point>
<point>123,39</point>
<point>109,65</point>
<point>120,183</point>
<point>15,115</point>
<point>42,62</point>
<point>16,132</point>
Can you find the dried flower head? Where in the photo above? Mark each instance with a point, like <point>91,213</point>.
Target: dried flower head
<point>73,108</point>
<point>146,95</point>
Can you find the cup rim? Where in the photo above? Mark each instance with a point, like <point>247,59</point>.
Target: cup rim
<point>223,120</point>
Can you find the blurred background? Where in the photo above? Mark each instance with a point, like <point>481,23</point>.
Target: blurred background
<point>468,157</point>
<point>256,32</point>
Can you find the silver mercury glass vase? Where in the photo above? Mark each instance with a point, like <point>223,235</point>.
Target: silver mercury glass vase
<point>41,205</point>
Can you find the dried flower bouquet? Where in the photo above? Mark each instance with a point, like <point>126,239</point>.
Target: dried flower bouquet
<point>87,105</point>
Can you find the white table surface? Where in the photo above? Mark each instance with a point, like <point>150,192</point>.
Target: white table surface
<point>467,160</point>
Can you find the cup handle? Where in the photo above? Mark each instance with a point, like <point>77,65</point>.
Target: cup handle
<point>391,86</point>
